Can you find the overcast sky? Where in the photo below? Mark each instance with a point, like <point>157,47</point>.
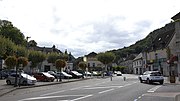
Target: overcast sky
<point>84,26</point>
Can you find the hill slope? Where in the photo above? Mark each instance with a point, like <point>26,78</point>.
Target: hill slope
<point>141,45</point>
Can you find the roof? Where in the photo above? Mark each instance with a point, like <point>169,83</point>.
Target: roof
<point>138,57</point>
<point>45,49</point>
<point>176,17</point>
<point>92,54</point>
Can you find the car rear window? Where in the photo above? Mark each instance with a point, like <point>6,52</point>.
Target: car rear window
<point>156,74</point>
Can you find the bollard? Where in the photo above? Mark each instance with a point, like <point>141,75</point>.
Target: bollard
<point>111,78</point>
<point>124,78</point>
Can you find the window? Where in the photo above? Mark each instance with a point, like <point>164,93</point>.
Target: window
<point>93,64</point>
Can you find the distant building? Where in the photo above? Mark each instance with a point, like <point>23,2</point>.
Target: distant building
<point>92,62</point>
<point>128,64</point>
<point>138,64</point>
<point>45,66</point>
<point>46,50</point>
<point>162,54</point>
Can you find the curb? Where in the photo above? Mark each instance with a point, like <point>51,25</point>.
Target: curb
<point>13,89</point>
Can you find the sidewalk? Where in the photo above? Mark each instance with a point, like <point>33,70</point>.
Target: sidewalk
<point>177,82</point>
<point>5,89</point>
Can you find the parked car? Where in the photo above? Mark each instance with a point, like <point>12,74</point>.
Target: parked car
<point>88,73</point>
<point>44,76</point>
<point>118,73</point>
<point>63,75</point>
<point>94,73</point>
<point>76,74</point>
<point>23,79</point>
<point>152,76</point>
<point>53,73</point>
<point>3,74</point>
<point>66,75</point>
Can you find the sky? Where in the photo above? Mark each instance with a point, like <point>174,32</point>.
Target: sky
<point>84,26</point>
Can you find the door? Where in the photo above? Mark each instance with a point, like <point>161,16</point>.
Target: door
<point>46,68</point>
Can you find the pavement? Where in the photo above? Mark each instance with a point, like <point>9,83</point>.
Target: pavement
<point>173,89</point>
<point>5,89</point>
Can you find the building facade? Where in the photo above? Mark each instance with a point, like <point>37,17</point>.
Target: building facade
<point>176,19</point>
<point>92,62</point>
<point>138,64</point>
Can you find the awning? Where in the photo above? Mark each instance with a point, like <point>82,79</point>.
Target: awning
<point>172,59</point>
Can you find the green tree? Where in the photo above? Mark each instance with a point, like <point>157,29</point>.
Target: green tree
<point>59,65</point>
<point>36,57</point>
<point>21,51</point>
<point>23,61</point>
<point>63,56</point>
<point>52,57</point>
<point>106,58</point>
<point>9,31</point>
<point>11,62</point>
<point>3,46</point>
<point>7,47</point>
<point>82,65</point>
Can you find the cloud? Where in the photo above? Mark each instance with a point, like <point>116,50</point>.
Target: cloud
<point>104,35</point>
<point>83,26</point>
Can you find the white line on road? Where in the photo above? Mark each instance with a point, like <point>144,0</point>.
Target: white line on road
<point>153,89</point>
<point>53,93</point>
<point>81,97</point>
<point>103,87</point>
<point>105,91</point>
<point>46,97</point>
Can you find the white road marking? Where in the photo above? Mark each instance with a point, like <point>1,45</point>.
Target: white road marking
<point>150,91</point>
<point>153,89</point>
<point>105,91</point>
<point>103,87</point>
<point>53,93</point>
<point>46,97</point>
<point>81,98</point>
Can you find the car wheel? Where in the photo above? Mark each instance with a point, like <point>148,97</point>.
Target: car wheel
<point>148,81</point>
<point>8,82</point>
<point>161,82</point>
<point>24,82</point>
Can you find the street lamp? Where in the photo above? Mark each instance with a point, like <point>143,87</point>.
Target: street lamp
<point>27,40</point>
<point>20,70</point>
<point>85,60</point>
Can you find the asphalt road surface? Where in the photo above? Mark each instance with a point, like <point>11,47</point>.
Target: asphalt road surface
<point>96,89</point>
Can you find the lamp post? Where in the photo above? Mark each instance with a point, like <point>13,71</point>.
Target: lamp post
<point>86,70</point>
<point>27,40</point>
<point>15,84</point>
<point>20,70</point>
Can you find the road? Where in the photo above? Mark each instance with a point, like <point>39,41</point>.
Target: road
<point>96,89</point>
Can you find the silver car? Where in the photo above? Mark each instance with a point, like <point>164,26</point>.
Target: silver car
<point>22,79</point>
